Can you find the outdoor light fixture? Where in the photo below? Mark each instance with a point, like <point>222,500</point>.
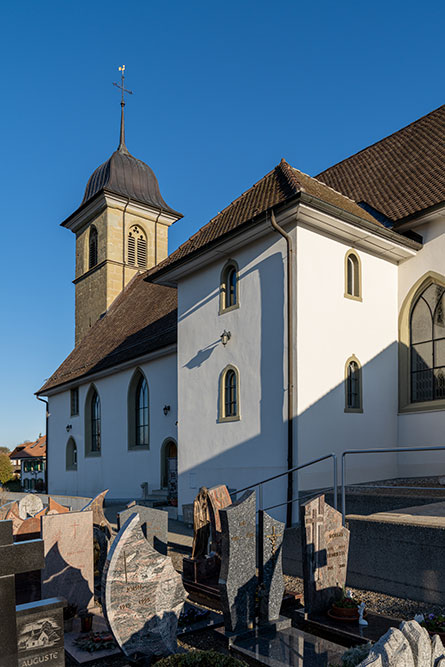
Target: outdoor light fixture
<point>225,337</point>
<point>69,427</point>
<point>166,409</point>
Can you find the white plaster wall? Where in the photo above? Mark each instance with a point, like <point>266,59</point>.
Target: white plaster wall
<point>245,451</point>
<point>330,329</point>
<point>423,429</point>
<point>120,470</point>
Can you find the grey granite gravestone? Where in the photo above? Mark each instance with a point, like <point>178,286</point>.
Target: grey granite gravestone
<point>419,641</point>
<point>391,650</point>
<point>142,594</point>
<point>325,543</point>
<point>29,505</point>
<point>14,559</point>
<point>273,583</point>
<point>237,579</point>
<point>40,633</point>
<point>68,570</point>
<point>154,524</point>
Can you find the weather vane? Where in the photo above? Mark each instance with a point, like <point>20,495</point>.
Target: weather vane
<point>123,90</point>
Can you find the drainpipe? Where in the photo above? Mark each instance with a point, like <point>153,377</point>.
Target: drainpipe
<point>123,244</point>
<point>290,366</point>
<point>46,428</point>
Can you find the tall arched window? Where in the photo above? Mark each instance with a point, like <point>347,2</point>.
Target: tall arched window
<point>71,455</point>
<point>92,261</point>
<point>93,430</point>
<point>353,278</point>
<point>353,385</point>
<point>138,412</point>
<point>137,247</point>
<point>229,291</point>
<point>427,345</point>
<point>229,406</point>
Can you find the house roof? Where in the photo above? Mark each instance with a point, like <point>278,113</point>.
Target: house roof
<point>400,175</point>
<point>278,186</point>
<point>140,320</point>
<point>30,450</point>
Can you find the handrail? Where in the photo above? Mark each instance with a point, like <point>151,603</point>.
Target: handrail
<point>289,472</point>
<point>384,450</point>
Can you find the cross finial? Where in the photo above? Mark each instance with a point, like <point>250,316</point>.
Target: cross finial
<point>130,92</point>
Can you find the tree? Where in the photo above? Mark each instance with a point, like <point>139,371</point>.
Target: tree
<point>4,450</point>
<point>6,468</point>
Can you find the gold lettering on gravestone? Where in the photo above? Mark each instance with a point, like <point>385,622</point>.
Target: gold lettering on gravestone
<point>273,540</point>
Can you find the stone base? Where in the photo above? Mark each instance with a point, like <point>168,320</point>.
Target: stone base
<point>281,623</point>
<point>202,570</point>
<point>84,657</point>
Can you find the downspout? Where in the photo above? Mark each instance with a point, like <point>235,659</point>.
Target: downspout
<point>123,243</point>
<point>46,428</point>
<point>290,366</point>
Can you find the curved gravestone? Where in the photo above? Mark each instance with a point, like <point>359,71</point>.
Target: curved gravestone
<point>273,533</point>
<point>99,519</point>
<point>30,505</point>
<point>142,594</point>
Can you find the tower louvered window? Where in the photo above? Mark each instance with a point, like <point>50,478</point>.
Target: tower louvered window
<point>137,247</point>
<point>92,248</point>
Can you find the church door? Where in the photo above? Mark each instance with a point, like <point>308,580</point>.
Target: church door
<point>169,467</point>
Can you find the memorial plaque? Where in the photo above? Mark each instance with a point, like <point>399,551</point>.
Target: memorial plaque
<point>142,594</point>
<point>325,544</point>
<point>273,583</point>
<point>40,633</point>
<point>68,568</point>
<point>154,524</point>
<point>237,579</point>
<point>29,505</point>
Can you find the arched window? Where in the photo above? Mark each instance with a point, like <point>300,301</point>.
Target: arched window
<point>229,406</point>
<point>353,385</point>
<point>353,278</point>
<point>71,455</point>
<point>92,248</point>
<point>137,247</point>
<point>229,292</point>
<point>93,440</point>
<point>427,345</point>
<point>138,412</point>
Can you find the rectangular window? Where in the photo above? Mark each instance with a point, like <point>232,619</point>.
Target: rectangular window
<point>74,401</point>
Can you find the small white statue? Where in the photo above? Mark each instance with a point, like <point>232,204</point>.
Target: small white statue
<point>361,611</point>
<point>348,594</point>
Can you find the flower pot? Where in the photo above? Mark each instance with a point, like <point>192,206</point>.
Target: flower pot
<point>345,612</point>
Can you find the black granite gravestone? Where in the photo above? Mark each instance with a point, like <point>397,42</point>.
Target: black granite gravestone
<point>40,633</point>
<point>272,570</point>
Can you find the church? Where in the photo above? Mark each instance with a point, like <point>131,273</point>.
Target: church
<point>306,318</point>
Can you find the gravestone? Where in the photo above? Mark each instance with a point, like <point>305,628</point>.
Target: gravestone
<point>29,505</point>
<point>55,507</point>
<point>40,633</point>
<point>325,543</point>
<point>237,582</point>
<point>99,519</point>
<point>219,498</point>
<point>16,520</point>
<point>4,509</point>
<point>154,524</point>
<point>273,583</point>
<point>419,641</point>
<point>14,559</point>
<point>142,594</point>
<point>68,570</point>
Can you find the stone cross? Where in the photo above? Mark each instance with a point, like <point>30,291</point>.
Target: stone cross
<point>14,559</point>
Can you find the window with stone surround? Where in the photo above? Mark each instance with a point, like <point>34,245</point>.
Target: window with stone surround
<point>353,276</point>
<point>92,245</point>
<point>229,395</point>
<point>138,412</point>
<point>93,423</point>
<point>353,385</point>
<point>229,287</point>
<point>137,247</point>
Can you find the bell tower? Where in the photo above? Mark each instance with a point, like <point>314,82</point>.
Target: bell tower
<point>121,229</point>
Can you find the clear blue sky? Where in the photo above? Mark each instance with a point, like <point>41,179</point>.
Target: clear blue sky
<point>223,90</point>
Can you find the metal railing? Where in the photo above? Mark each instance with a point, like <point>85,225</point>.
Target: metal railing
<point>389,450</point>
<point>290,472</point>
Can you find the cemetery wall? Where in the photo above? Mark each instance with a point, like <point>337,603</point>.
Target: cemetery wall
<point>332,328</point>
<point>425,427</point>
<point>76,503</point>
<point>241,452</point>
<point>117,468</point>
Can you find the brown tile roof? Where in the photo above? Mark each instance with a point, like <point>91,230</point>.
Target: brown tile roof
<point>399,175</point>
<point>140,320</point>
<point>279,185</point>
<point>29,450</point>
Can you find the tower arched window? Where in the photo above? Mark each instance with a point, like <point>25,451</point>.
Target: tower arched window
<point>353,276</point>
<point>137,247</point>
<point>93,423</point>
<point>229,288</point>
<point>229,406</point>
<point>353,385</point>
<point>427,345</point>
<point>138,412</point>
<point>92,261</point>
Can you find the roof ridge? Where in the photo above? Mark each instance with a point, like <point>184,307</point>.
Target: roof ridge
<point>379,141</point>
<point>289,174</point>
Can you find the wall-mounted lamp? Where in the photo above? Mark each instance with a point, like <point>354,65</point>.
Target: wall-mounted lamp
<point>225,337</point>
<point>166,409</point>
<point>69,427</point>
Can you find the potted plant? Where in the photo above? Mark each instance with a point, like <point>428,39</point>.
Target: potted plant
<point>434,623</point>
<point>69,613</point>
<point>345,607</point>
